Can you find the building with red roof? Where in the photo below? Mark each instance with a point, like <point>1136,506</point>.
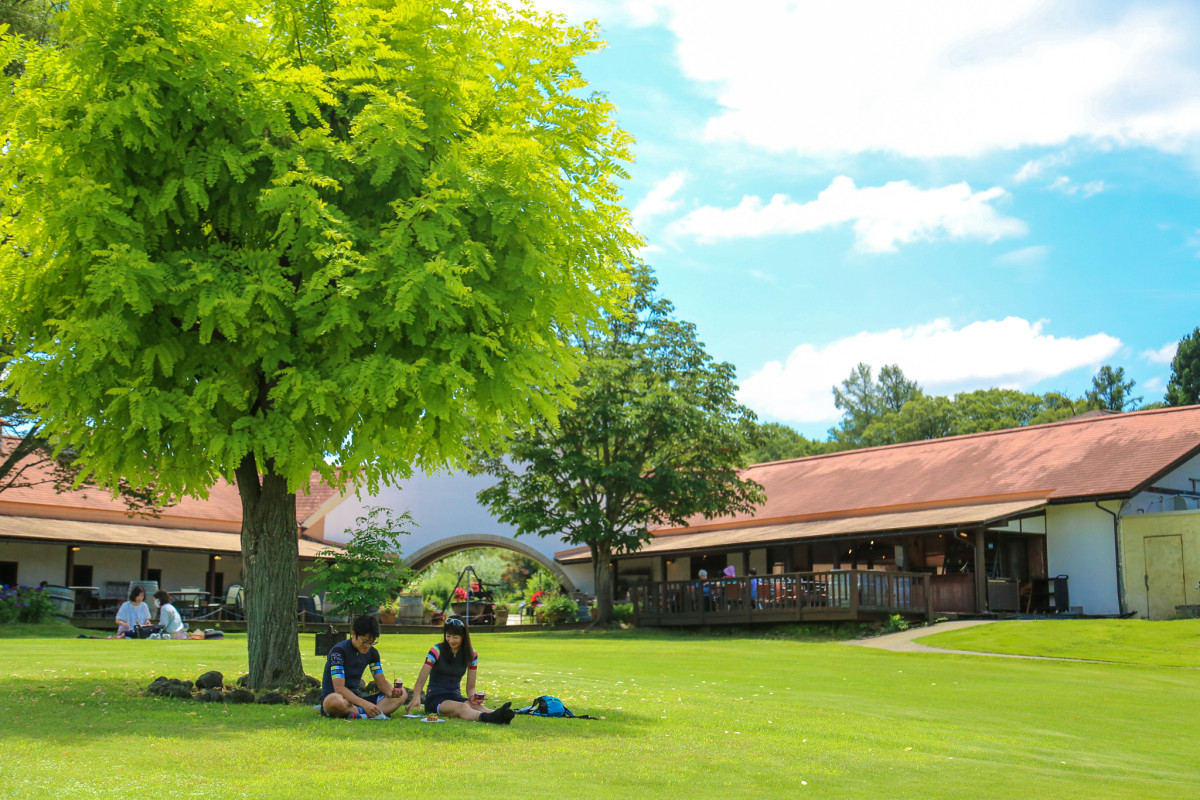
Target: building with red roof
<point>1111,501</point>
<point>84,537</point>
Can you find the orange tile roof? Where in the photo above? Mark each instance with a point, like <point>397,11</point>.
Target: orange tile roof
<point>222,510</point>
<point>1099,456</point>
<point>129,535</point>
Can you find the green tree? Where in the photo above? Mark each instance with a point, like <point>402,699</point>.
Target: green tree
<point>1111,391</point>
<point>1183,388</point>
<point>261,240</point>
<point>863,400</point>
<point>776,442</point>
<point>655,436</point>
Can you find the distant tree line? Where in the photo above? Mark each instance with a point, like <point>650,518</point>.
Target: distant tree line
<point>891,408</point>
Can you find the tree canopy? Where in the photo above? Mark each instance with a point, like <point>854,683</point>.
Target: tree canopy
<point>255,241</point>
<point>655,436</point>
<point>1183,388</point>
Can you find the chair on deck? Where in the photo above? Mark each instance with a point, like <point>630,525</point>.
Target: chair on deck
<point>306,609</point>
<point>232,607</point>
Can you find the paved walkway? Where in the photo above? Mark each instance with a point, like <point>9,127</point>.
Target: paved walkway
<point>903,642</point>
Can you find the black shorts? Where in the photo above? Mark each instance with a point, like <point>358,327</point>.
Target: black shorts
<point>376,699</point>
<point>435,699</point>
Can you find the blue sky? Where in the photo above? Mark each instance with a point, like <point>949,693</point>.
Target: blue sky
<point>988,194</point>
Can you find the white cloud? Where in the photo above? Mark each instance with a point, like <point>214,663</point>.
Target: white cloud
<point>882,216</point>
<point>1011,352</point>
<point>931,78</point>
<point>659,200</point>
<point>1024,257</point>
<point>1163,355</point>
<point>1063,184</point>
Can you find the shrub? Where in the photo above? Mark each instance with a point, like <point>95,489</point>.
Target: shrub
<point>28,604</point>
<point>369,572</point>
<point>623,612</point>
<point>557,610</point>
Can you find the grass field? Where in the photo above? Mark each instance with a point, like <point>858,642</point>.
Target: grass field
<point>684,716</point>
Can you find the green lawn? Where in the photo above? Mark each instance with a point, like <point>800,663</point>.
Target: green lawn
<point>1173,643</point>
<point>684,716</point>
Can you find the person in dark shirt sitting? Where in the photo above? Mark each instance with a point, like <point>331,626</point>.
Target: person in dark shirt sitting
<point>342,690</point>
<point>444,667</point>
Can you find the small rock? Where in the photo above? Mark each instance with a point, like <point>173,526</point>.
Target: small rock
<point>178,690</point>
<point>313,697</point>
<point>273,699</point>
<point>239,696</point>
<point>210,680</point>
<point>157,685</point>
<point>311,681</point>
<point>212,696</point>
<point>244,681</point>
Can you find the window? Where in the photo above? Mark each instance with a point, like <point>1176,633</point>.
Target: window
<point>8,573</point>
<point>81,575</point>
<point>154,575</point>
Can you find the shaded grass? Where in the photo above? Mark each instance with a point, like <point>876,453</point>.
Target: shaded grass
<point>1167,643</point>
<point>689,716</point>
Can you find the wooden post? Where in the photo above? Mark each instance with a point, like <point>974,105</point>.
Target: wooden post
<point>980,573</point>
<point>852,584</point>
<point>70,565</point>
<point>927,583</point>
<point>145,565</point>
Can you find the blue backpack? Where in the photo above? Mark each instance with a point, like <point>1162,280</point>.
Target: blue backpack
<point>546,706</point>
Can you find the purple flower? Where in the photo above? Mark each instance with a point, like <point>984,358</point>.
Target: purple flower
<point>24,587</point>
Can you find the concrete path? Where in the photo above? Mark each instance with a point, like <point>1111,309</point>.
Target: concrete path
<point>902,642</point>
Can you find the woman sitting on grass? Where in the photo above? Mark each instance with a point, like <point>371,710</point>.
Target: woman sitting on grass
<point>444,667</point>
<point>133,613</point>
<point>168,616</point>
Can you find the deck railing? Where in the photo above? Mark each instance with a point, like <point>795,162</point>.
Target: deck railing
<point>834,594</point>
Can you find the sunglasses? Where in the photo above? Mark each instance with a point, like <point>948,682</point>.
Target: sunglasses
<point>455,623</point>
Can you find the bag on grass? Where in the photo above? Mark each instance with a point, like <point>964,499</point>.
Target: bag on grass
<point>547,706</point>
<point>143,631</point>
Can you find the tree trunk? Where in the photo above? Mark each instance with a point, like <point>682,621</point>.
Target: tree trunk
<point>270,559</point>
<point>603,574</point>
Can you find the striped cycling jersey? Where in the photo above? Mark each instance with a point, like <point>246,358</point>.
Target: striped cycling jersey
<point>446,669</point>
<point>347,663</point>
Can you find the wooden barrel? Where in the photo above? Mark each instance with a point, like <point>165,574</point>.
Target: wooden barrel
<point>63,600</point>
<point>410,609</point>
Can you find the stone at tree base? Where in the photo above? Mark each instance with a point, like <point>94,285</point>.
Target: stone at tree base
<point>212,696</point>
<point>178,690</point>
<point>311,681</point>
<point>314,696</point>
<point>156,686</point>
<point>273,699</point>
<point>239,696</point>
<point>210,680</point>
<point>244,681</point>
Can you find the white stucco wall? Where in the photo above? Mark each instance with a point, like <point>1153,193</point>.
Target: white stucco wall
<point>1080,543</point>
<point>443,505</point>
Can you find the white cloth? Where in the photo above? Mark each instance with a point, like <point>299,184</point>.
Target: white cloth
<point>172,623</point>
<point>133,615</point>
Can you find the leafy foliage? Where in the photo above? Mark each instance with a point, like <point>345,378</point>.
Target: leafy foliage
<point>863,400</point>
<point>557,609</point>
<point>1183,388</point>
<point>655,436</point>
<point>368,573</point>
<point>775,442</point>
<point>1111,391</point>
<point>258,241</point>
<point>24,604</point>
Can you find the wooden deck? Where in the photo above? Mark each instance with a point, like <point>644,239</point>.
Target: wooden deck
<point>836,595</point>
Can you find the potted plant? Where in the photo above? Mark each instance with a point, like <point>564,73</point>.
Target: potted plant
<point>427,613</point>
<point>387,612</point>
<point>459,606</point>
<point>502,614</point>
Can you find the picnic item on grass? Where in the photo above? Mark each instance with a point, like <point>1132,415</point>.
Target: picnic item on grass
<point>547,706</point>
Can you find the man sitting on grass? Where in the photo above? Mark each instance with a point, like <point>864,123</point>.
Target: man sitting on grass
<point>342,691</point>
